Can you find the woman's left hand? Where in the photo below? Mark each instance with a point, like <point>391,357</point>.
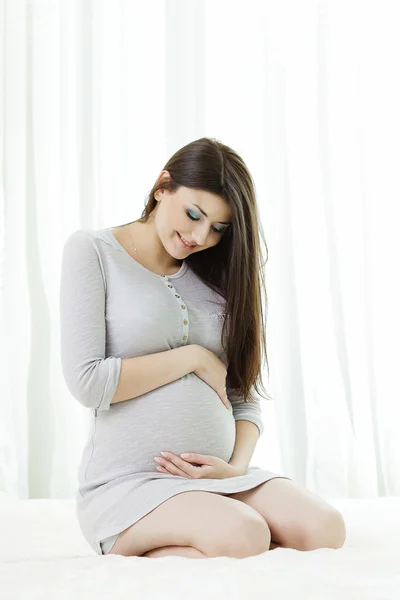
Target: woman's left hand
<point>204,467</point>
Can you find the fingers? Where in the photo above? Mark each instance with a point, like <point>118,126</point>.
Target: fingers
<point>162,470</point>
<point>177,466</point>
<point>226,399</point>
<point>172,469</point>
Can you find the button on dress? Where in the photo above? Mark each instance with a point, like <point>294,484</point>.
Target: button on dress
<point>112,307</point>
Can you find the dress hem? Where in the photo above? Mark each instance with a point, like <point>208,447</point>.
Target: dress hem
<point>180,488</point>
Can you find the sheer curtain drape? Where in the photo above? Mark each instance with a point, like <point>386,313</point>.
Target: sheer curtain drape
<point>96,95</point>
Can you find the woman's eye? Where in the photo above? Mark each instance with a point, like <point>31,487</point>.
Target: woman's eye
<point>189,214</point>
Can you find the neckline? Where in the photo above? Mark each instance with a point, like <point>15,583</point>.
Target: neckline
<point>119,246</point>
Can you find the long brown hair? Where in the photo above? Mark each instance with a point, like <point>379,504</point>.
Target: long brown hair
<point>234,266</point>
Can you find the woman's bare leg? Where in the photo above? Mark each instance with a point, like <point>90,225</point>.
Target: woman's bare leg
<point>186,551</point>
<point>273,546</point>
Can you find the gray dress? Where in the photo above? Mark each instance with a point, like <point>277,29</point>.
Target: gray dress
<point>112,307</point>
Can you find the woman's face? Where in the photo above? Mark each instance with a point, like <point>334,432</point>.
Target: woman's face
<point>183,213</point>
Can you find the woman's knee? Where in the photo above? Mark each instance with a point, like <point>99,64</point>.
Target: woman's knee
<point>216,525</point>
<point>326,531</point>
<point>248,535</point>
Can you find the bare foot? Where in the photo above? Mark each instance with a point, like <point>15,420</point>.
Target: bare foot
<point>273,546</point>
<point>186,551</point>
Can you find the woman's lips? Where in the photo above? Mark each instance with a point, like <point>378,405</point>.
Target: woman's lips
<point>183,243</point>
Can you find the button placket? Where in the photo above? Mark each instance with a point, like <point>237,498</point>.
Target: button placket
<point>182,307</point>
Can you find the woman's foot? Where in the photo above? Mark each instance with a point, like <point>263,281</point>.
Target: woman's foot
<point>186,551</point>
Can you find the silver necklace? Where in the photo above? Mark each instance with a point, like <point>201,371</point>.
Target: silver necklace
<point>162,275</point>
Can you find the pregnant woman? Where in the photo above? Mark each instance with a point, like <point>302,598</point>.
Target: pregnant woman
<point>161,338</point>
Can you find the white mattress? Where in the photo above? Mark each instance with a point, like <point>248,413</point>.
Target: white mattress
<point>44,555</point>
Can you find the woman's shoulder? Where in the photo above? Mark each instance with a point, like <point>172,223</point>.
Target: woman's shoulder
<point>79,236</point>
<point>88,238</point>
<point>85,246</point>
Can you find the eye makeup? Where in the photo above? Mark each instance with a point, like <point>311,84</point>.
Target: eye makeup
<point>194,218</point>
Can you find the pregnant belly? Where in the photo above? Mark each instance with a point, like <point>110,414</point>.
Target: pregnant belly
<point>186,415</point>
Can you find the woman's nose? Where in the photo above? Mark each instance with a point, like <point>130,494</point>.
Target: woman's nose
<point>200,236</point>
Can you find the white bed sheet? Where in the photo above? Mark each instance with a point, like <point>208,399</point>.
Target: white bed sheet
<point>44,555</point>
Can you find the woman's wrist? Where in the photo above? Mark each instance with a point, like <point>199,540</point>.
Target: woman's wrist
<point>193,352</point>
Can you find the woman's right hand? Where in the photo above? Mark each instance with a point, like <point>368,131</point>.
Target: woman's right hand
<point>213,371</point>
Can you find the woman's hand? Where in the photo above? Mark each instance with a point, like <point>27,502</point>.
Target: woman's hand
<point>197,466</point>
<point>213,372</point>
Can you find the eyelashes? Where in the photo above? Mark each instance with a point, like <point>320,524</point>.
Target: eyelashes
<point>213,228</point>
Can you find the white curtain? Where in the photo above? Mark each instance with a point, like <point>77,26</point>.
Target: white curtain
<point>96,95</point>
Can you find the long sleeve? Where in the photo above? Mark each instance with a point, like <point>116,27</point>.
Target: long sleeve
<point>90,377</point>
<point>245,411</point>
